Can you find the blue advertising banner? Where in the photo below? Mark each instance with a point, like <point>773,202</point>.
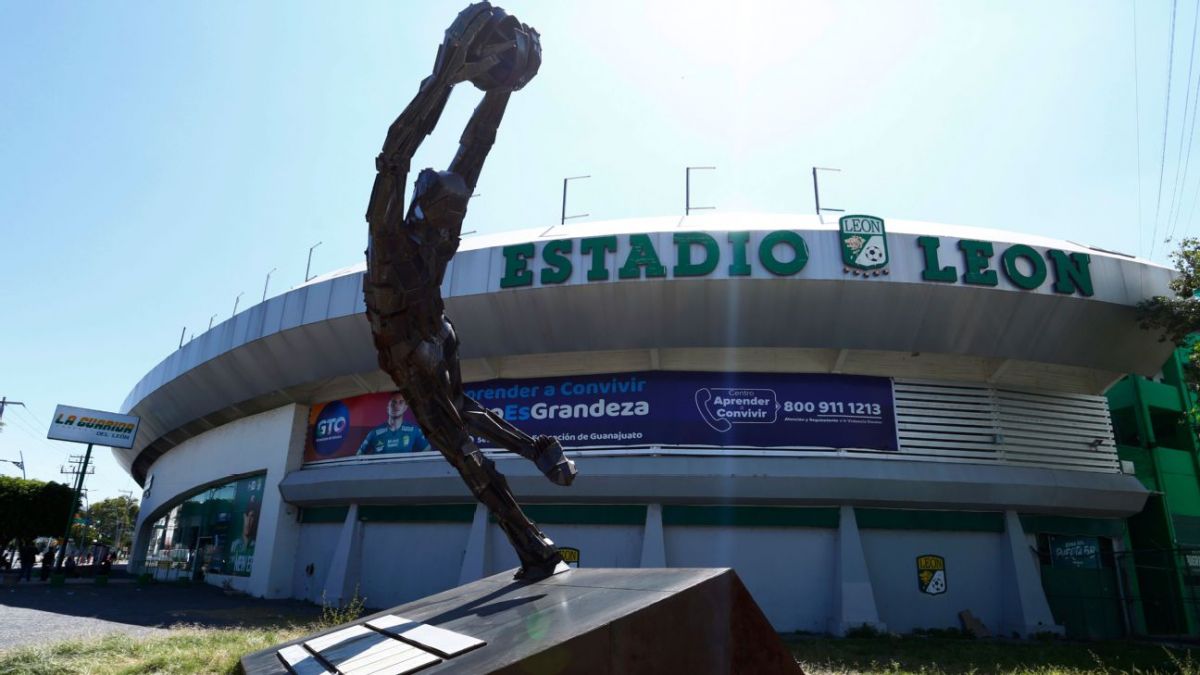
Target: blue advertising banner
<point>663,408</point>
<point>705,409</point>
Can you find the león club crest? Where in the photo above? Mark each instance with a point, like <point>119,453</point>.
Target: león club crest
<point>864,245</point>
<point>931,574</point>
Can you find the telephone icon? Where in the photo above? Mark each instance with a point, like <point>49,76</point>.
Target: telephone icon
<point>703,401</point>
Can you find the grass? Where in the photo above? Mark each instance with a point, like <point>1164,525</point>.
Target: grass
<point>186,650</point>
<point>191,649</point>
<point>953,656</point>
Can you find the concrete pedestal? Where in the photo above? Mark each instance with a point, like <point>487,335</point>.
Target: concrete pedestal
<point>583,621</point>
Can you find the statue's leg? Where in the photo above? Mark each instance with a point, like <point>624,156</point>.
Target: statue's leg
<point>544,451</point>
<point>433,407</point>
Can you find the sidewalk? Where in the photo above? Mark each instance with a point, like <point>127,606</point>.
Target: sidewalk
<point>74,581</point>
<point>35,612</point>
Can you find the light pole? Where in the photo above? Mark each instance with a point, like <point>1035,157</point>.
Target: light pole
<point>124,524</point>
<point>687,189</point>
<point>564,217</point>
<point>235,303</point>
<point>817,194</point>
<point>20,464</point>
<point>309,265</point>
<point>267,283</point>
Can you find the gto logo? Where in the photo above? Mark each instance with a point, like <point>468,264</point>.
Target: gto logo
<point>329,429</point>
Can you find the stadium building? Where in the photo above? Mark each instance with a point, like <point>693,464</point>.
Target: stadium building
<point>881,423</point>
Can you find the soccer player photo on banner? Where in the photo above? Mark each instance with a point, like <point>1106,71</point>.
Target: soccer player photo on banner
<point>374,424</point>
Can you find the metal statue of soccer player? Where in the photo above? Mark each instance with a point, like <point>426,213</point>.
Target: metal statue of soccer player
<point>407,256</point>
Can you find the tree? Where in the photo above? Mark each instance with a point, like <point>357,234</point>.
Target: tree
<point>112,518</point>
<point>32,508</point>
<point>1177,317</point>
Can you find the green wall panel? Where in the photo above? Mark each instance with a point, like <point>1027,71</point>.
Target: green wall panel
<point>323,514</point>
<point>1121,395</point>
<point>1094,527</point>
<point>1182,496</point>
<point>1187,529</point>
<point>1159,395</point>
<point>952,521</point>
<point>417,513</point>
<point>586,514</point>
<point>1175,461</point>
<point>1143,464</point>
<point>750,516</point>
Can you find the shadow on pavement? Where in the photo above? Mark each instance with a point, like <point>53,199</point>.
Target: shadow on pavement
<point>158,605</point>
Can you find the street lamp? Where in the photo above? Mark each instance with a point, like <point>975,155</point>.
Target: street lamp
<point>20,465</point>
<point>309,265</point>
<point>267,283</point>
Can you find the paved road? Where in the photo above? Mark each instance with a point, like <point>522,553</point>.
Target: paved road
<point>36,613</point>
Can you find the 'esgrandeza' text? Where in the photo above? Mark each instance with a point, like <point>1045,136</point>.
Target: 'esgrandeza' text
<point>600,408</point>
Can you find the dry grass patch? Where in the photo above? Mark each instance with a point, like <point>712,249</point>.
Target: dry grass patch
<point>186,650</point>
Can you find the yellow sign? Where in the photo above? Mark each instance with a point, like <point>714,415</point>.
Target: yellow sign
<point>931,574</point>
<point>569,555</point>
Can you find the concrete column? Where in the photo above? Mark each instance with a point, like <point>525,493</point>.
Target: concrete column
<point>283,537</point>
<point>853,596</point>
<point>654,549</point>
<point>474,564</point>
<point>1024,609</point>
<point>342,580</point>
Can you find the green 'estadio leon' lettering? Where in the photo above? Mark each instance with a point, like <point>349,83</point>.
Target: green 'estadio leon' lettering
<point>516,263</point>
<point>641,254</point>
<point>1021,280</point>
<point>1071,272</point>
<point>598,247</point>
<point>933,271</point>
<point>766,253</point>
<point>684,267</point>
<point>976,256</point>
<point>554,254</point>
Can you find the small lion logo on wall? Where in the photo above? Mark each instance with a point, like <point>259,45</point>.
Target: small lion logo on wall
<point>864,245</point>
<point>931,574</point>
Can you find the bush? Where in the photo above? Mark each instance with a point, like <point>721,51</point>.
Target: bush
<point>334,615</point>
<point>865,630</point>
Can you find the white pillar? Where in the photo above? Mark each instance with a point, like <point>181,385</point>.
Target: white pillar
<point>1024,609</point>
<point>853,596</point>
<point>474,564</point>
<point>342,581</point>
<point>654,549</point>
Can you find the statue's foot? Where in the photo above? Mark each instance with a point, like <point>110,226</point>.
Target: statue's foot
<point>539,556</point>
<point>552,461</point>
<point>538,571</point>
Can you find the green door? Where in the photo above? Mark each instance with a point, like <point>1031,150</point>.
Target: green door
<point>1081,586</point>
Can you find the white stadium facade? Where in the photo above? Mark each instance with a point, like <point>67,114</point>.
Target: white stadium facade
<point>873,422</point>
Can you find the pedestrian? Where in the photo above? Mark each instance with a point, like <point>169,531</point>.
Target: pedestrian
<point>28,555</point>
<point>47,563</point>
<point>71,567</point>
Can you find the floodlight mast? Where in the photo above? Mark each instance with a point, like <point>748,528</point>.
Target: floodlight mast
<point>687,190</point>
<point>564,218</point>
<point>817,193</point>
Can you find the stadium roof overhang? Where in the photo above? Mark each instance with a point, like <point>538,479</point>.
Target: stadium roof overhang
<point>522,311</point>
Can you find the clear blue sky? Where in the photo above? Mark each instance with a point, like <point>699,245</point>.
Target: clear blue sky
<point>156,159</point>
